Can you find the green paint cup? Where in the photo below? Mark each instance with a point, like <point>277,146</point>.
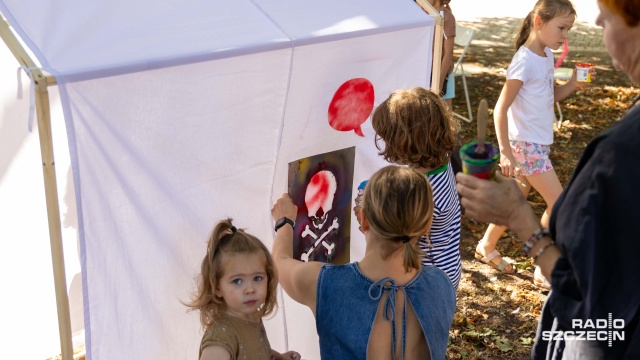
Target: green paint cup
<point>483,165</point>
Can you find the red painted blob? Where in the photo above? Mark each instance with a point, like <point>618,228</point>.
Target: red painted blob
<point>317,191</point>
<point>351,105</point>
<point>320,192</point>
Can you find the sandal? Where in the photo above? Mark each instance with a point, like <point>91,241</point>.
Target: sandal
<point>540,281</point>
<point>500,267</point>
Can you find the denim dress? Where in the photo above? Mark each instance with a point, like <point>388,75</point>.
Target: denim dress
<point>347,302</point>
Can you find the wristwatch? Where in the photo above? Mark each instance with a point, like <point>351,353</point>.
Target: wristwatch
<point>282,221</point>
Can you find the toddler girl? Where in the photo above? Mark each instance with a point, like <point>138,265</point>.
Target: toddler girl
<point>236,288</point>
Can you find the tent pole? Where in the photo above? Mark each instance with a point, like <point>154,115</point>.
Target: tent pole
<point>41,83</point>
<point>53,211</point>
<point>437,44</point>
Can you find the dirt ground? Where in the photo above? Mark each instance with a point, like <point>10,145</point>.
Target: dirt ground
<point>497,314</point>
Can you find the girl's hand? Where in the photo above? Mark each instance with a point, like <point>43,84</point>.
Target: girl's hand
<point>508,166</point>
<point>357,210</point>
<point>290,355</point>
<point>578,84</point>
<point>284,207</point>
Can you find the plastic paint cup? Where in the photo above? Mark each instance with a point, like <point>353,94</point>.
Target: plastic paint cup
<point>583,73</point>
<point>483,165</point>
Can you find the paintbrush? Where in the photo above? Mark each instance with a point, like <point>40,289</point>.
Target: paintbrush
<point>516,179</point>
<point>519,182</point>
<point>482,116</point>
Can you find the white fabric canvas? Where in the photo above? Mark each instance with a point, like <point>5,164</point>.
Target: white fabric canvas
<point>158,165</point>
<point>307,130</point>
<point>181,114</point>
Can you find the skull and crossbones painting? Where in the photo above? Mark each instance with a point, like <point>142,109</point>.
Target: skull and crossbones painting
<point>319,185</point>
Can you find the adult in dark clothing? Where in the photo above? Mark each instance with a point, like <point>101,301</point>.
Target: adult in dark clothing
<point>592,249</point>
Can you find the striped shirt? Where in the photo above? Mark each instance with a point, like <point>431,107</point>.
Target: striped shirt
<point>442,250</point>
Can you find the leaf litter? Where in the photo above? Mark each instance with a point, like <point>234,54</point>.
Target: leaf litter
<point>497,314</point>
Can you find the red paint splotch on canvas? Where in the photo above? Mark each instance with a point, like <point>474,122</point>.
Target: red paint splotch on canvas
<point>319,195</point>
<point>351,105</point>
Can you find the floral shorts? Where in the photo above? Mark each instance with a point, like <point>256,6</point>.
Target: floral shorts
<point>531,158</point>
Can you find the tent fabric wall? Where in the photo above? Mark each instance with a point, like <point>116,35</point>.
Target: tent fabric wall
<point>306,131</point>
<point>172,128</point>
<point>157,165</point>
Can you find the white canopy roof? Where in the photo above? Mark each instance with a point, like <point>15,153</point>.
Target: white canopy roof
<point>79,39</point>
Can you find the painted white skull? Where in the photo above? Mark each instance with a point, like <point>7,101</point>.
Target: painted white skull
<point>319,197</point>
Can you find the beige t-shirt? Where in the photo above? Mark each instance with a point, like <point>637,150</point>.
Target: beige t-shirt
<point>243,339</point>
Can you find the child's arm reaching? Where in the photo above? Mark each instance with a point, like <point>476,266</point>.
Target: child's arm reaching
<point>562,91</point>
<point>289,355</point>
<point>508,94</point>
<point>447,61</point>
<point>299,279</point>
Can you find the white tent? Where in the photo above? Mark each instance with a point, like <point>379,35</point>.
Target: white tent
<point>181,113</point>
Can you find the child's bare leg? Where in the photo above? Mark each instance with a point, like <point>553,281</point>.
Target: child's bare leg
<point>490,239</point>
<point>548,185</point>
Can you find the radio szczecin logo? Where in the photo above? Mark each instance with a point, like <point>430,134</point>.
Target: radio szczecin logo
<point>590,330</point>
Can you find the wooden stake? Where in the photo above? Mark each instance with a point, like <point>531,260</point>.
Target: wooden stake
<point>41,83</point>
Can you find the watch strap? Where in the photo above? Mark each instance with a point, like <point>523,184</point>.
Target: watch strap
<point>282,222</point>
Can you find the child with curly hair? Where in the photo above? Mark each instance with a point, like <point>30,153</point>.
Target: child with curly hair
<point>419,131</point>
